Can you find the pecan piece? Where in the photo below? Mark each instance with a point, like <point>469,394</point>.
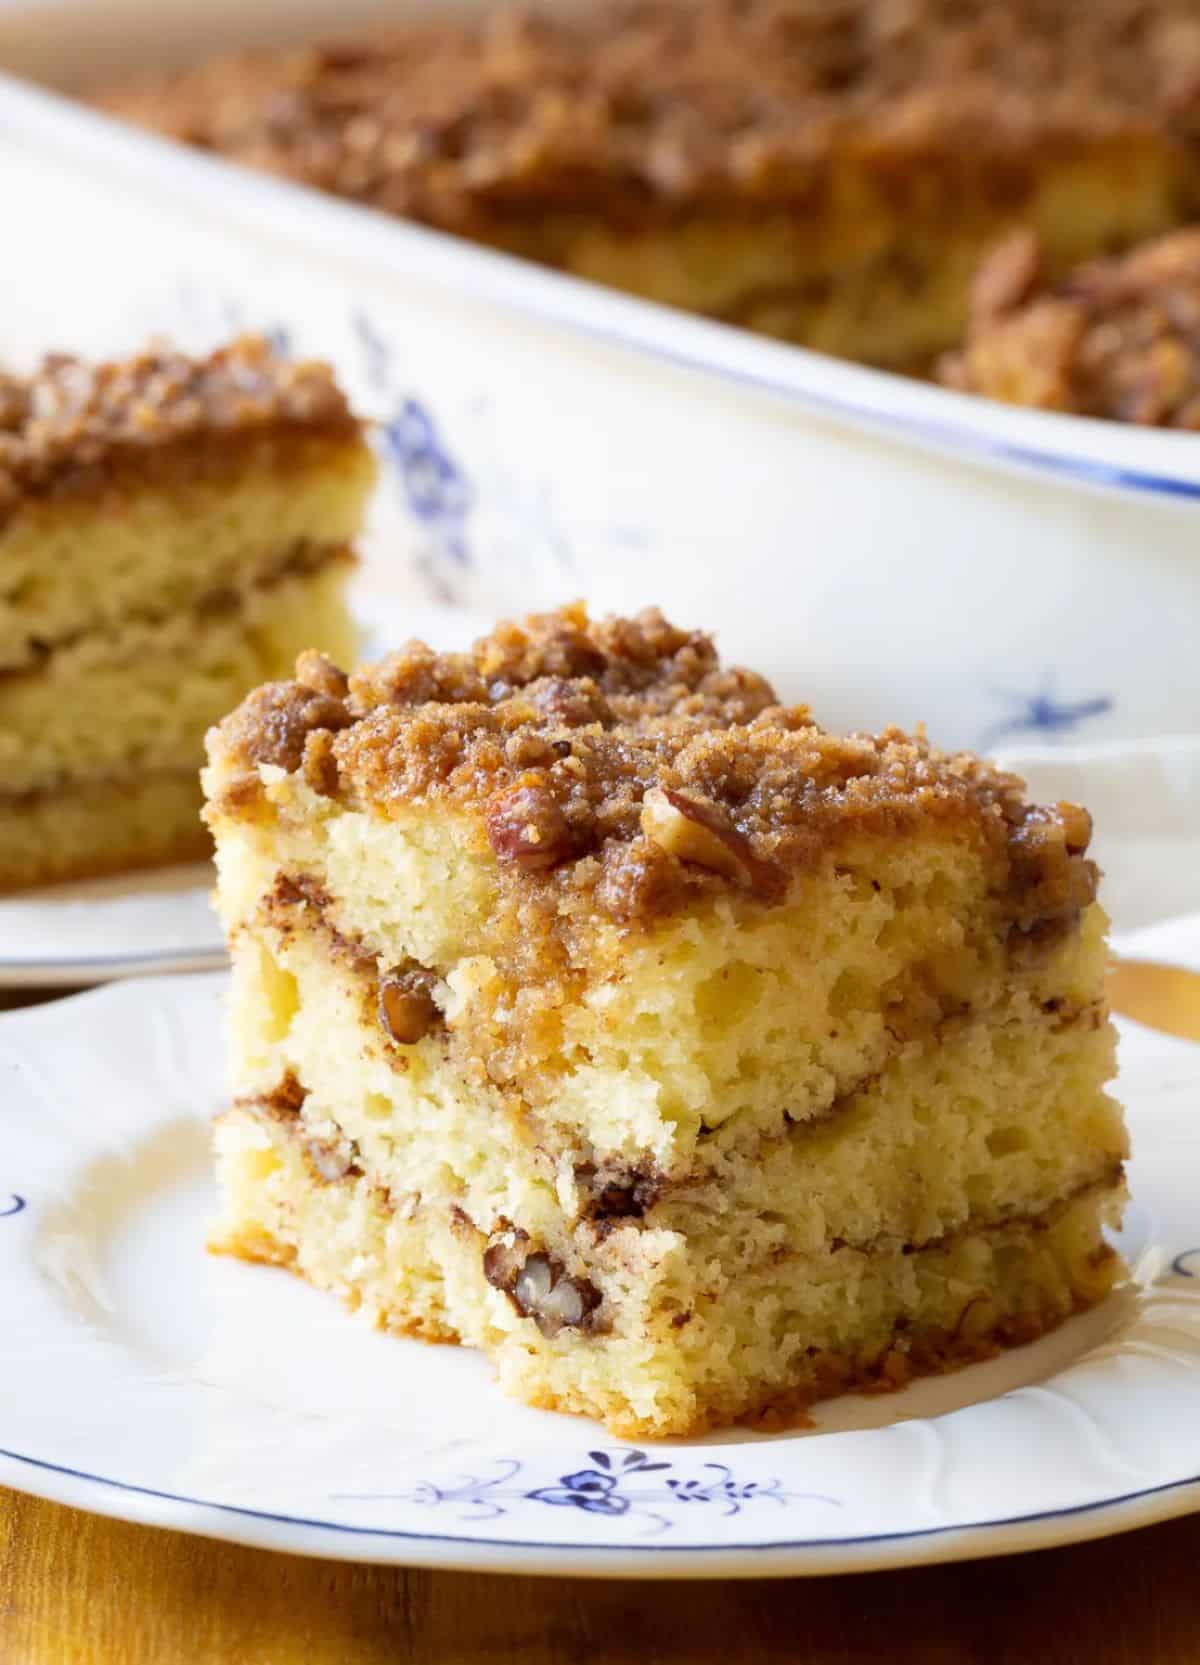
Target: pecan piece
<point>553,1300</point>
<point>539,1286</point>
<point>503,1259</point>
<point>526,826</point>
<point>615,1193</point>
<point>1077,827</point>
<point>573,704</point>
<point>696,831</point>
<point>407,1008</point>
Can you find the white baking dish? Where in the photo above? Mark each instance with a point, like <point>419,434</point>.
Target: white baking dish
<point>887,550</point>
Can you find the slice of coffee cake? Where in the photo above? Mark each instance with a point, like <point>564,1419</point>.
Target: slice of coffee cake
<point>172,531</point>
<point>593,1009</point>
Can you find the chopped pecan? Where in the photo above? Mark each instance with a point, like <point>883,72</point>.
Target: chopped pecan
<point>1077,827</point>
<point>694,830</point>
<point>1051,879</point>
<point>573,704</point>
<point>504,1257</point>
<point>407,1009</point>
<point>538,1285</point>
<point>616,1193</point>
<point>526,826</point>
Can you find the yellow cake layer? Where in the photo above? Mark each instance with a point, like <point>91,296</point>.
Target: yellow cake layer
<point>139,696</point>
<point>126,551</point>
<point>998,1112</point>
<point>793,1330</point>
<point>733,1013</point>
<point>101,827</point>
<point>881,272</point>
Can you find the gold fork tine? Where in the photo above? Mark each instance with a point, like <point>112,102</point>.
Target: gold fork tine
<point>1163,997</point>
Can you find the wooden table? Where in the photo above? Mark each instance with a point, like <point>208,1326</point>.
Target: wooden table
<point>79,1590</point>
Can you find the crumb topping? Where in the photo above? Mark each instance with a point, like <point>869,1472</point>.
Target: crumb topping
<point>1118,338</point>
<point>645,104</point>
<point>71,419</point>
<point>620,758</point>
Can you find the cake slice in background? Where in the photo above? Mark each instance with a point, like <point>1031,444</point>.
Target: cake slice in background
<point>1117,338</point>
<point>173,530</point>
<point>593,1009</point>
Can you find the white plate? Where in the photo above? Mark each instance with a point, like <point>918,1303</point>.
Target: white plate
<point>141,1378</point>
<point>96,930</point>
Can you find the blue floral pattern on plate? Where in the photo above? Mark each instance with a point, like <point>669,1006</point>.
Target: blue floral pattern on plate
<point>612,1485</point>
<point>14,1206</point>
<point>1042,713</point>
<point>435,488</point>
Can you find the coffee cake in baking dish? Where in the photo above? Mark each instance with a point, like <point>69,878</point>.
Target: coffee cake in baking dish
<point>827,171</point>
<point>172,531</point>
<point>593,1009</point>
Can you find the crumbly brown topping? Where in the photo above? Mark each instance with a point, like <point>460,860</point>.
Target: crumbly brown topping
<point>1117,338</point>
<point>642,104</point>
<point>273,723</point>
<point>69,421</point>
<point>619,757</point>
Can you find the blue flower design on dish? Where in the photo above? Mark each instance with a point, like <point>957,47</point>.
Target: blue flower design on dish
<point>1185,1264</point>
<point>597,1490</point>
<point>435,488</point>
<point>14,1206</point>
<point>1043,713</point>
<point>377,355</point>
<point>612,1486</point>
